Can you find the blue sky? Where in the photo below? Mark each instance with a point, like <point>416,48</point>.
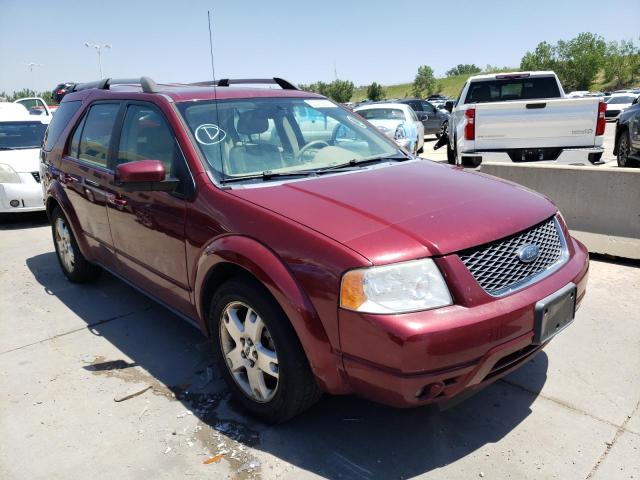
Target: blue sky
<point>383,41</point>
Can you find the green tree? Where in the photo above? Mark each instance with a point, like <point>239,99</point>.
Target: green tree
<point>576,61</point>
<point>463,69</point>
<point>425,81</point>
<point>339,90</point>
<point>375,92</point>
<point>621,63</point>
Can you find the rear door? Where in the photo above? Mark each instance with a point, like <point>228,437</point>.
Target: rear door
<point>148,228</point>
<point>85,175</point>
<point>432,125</point>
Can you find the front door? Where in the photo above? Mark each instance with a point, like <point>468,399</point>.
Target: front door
<point>85,176</point>
<point>148,228</point>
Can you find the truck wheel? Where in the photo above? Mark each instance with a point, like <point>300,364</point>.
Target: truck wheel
<point>258,352</point>
<point>75,267</point>
<point>624,149</point>
<point>451,154</point>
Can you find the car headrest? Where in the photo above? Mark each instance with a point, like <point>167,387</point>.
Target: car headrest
<point>252,122</point>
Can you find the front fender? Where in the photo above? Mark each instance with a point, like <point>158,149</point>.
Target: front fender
<point>272,272</point>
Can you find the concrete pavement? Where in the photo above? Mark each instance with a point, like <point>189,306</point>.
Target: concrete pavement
<point>67,352</point>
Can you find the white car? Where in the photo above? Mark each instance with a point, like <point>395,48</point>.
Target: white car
<point>397,121</point>
<point>524,117</point>
<point>21,135</point>
<point>618,102</point>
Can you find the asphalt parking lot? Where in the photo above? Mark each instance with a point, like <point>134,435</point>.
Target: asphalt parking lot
<point>70,356</point>
<point>608,157</point>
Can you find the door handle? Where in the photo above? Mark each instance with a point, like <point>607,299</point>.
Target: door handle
<point>66,178</point>
<point>536,105</point>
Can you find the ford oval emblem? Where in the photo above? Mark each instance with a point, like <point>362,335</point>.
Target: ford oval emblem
<point>528,253</point>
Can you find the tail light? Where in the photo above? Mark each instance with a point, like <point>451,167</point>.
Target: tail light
<point>470,127</point>
<point>602,121</point>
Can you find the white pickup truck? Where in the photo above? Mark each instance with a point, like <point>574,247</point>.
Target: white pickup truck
<point>523,117</point>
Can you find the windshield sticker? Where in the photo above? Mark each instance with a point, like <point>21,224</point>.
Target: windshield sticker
<point>209,134</point>
<point>356,121</point>
<point>320,103</point>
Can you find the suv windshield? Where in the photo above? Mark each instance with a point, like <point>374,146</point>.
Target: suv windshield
<point>21,135</point>
<point>500,90</point>
<point>248,137</point>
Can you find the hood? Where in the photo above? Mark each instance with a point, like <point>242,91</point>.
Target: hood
<point>22,161</point>
<point>407,210</point>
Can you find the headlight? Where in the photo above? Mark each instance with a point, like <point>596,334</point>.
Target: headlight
<point>400,133</point>
<point>8,174</point>
<point>398,288</point>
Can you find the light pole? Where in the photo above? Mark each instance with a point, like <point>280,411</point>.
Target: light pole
<point>99,50</point>
<point>30,66</point>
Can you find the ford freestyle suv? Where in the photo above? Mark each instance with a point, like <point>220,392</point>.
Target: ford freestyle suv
<point>316,255</point>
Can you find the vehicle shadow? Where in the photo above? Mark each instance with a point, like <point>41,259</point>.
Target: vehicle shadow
<point>17,221</point>
<point>340,437</point>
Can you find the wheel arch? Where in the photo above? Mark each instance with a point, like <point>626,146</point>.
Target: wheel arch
<point>233,255</point>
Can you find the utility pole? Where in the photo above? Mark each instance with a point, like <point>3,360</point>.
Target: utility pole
<point>99,51</point>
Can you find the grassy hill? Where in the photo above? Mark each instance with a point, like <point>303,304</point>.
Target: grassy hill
<point>450,86</point>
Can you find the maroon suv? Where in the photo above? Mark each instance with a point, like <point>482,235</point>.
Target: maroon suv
<point>316,255</point>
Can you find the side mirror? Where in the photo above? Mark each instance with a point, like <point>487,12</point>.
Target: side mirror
<point>448,105</point>
<point>144,175</point>
<point>424,117</point>
<point>635,101</point>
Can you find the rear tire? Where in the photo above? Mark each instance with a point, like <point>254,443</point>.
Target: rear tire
<point>268,356</point>
<point>75,267</point>
<point>624,149</point>
<point>451,154</point>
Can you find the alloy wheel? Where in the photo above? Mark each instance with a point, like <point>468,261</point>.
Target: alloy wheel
<point>249,351</point>
<point>623,151</point>
<point>65,247</point>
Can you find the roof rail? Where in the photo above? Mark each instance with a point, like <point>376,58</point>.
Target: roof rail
<point>225,82</point>
<point>147,84</point>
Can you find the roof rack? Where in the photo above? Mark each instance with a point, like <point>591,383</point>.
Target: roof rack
<point>225,82</point>
<point>147,84</point>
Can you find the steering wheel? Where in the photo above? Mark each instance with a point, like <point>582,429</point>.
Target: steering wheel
<point>317,144</point>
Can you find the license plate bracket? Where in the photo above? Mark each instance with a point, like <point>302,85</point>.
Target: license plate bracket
<point>554,313</point>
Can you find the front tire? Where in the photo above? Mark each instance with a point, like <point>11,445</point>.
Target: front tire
<point>75,267</point>
<point>451,154</point>
<point>624,149</point>
<point>258,352</point>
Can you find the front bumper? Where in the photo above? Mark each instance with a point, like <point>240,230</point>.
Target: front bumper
<point>28,194</point>
<point>414,359</point>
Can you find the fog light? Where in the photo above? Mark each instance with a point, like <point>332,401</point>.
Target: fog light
<point>14,203</point>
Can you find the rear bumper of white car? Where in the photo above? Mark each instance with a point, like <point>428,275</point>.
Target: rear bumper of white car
<point>568,156</point>
<point>27,196</point>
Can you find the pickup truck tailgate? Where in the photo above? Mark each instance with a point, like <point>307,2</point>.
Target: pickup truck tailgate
<point>558,122</point>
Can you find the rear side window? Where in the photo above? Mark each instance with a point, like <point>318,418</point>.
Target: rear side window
<point>500,90</point>
<point>96,133</point>
<point>63,115</point>
<point>427,107</point>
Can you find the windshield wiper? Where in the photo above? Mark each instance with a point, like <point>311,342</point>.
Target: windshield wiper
<point>355,162</point>
<point>267,175</point>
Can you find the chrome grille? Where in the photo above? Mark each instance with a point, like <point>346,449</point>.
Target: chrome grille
<point>36,176</point>
<point>497,268</point>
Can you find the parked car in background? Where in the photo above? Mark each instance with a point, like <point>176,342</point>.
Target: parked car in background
<point>21,136</point>
<point>627,139</point>
<point>397,121</point>
<point>617,103</point>
<point>324,265</point>
<point>35,106</point>
<point>578,93</point>
<point>432,118</point>
<point>61,90</point>
<point>524,117</point>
